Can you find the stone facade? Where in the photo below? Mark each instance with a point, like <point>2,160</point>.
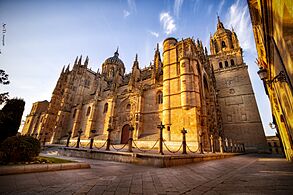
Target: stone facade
<point>240,116</point>
<point>272,23</point>
<point>181,91</point>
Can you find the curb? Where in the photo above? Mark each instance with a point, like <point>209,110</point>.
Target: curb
<point>19,169</point>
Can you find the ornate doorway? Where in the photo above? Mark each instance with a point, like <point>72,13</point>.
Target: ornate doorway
<point>125,134</point>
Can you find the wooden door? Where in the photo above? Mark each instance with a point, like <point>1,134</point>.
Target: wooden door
<point>125,134</point>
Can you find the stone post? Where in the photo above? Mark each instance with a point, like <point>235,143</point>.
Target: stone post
<point>68,138</point>
<point>231,146</point>
<point>212,144</point>
<point>221,144</point>
<point>200,142</point>
<point>130,138</point>
<point>78,138</point>
<point>184,141</point>
<point>161,127</point>
<point>226,145</point>
<point>92,138</point>
<point>109,138</point>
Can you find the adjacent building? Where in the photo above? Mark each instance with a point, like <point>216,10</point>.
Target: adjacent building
<point>272,23</point>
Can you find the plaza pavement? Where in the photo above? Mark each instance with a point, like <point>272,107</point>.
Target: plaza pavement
<point>245,174</point>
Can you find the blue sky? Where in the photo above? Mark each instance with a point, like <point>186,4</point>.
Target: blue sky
<point>43,36</point>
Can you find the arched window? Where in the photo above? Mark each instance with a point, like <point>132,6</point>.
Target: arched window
<point>106,108</point>
<point>128,107</point>
<point>223,44</point>
<point>220,65</point>
<point>74,113</point>
<point>232,62</point>
<point>226,64</point>
<point>88,111</point>
<point>159,97</point>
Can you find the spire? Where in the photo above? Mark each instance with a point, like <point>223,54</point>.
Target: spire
<point>86,62</point>
<point>116,52</point>
<point>205,51</point>
<point>67,69</point>
<point>220,24</point>
<point>157,46</point>
<point>63,69</point>
<point>79,61</point>
<point>135,63</point>
<point>75,62</point>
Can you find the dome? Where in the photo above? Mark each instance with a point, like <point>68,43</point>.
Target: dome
<point>114,60</point>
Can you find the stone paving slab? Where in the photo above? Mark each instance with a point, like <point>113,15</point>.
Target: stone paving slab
<point>18,169</point>
<point>245,174</point>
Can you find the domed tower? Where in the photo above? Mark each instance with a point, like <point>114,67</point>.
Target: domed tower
<point>113,65</point>
<point>240,115</point>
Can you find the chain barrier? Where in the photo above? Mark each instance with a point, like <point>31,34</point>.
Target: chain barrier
<point>73,145</point>
<point>147,149</point>
<point>191,150</point>
<point>173,152</point>
<point>118,149</point>
<point>101,146</point>
<point>85,146</point>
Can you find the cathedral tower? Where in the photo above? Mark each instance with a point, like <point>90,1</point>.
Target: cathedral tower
<point>240,115</point>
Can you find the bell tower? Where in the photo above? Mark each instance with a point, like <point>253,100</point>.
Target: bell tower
<point>240,115</point>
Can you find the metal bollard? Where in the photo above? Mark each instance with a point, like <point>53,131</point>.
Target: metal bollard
<point>161,127</point>
<point>68,138</point>
<point>221,145</point>
<point>44,141</point>
<point>92,138</point>
<point>78,138</point>
<point>184,141</point>
<point>200,143</point>
<point>130,138</point>
<point>109,138</point>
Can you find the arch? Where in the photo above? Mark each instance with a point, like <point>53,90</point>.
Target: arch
<point>88,111</point>
<point>159,97</point>
<point>106,108</point>
<point>128,106</point>
<point>232,62</point>
<point>223,44</point>
<point>220,65</point>
<point>226,64</point>
<point>125,134</point>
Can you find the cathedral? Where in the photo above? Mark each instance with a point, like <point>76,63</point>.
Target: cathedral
<point>184,87</point>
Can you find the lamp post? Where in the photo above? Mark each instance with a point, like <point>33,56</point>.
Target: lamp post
<point>263,75</point>
<point>68,138</point>
<point>161,127</point>
<point>92,138</point>
<point>78,138</point>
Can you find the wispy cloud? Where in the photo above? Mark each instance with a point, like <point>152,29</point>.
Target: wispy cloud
<point>131,5</point>
<point>195,5</point>
<point>238,17</point>
<point>168,22</point>
<point>154,33</point>
<point>177,7</point>
<point>126,13</point>
<point>210,7</point>
<point>221,6</point>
